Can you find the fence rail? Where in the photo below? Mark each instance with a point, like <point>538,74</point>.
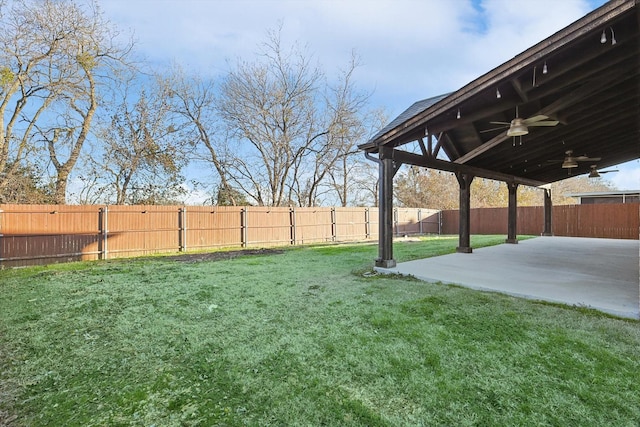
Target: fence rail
<point>42,234</point>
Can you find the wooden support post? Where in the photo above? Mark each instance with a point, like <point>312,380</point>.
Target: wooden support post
<point>464,230</point>
<point>512,220</point>
<point>547,213</point>
<point>386,171</point>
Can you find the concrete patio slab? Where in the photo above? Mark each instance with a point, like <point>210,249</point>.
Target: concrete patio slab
<point>603,274</point>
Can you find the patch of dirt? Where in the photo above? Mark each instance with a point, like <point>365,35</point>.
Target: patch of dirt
<point>217,256</point>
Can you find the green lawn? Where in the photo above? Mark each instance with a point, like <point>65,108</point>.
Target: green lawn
<point>307,337</point>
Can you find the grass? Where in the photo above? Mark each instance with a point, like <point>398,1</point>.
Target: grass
<point>302,338</point>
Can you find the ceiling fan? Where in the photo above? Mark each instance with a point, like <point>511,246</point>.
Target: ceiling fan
<point>570,161</point>
<point>519,126</point>
<point>595,173</point>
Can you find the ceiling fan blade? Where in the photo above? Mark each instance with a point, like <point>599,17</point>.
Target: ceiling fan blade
<point>501,123</point>
<point>493,129</point>
<point>534,119</point>
<point>545,123</point>
<point>587,159</point>
<point>612,170</point>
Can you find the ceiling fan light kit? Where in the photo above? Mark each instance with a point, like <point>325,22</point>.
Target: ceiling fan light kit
<point>517,127</point>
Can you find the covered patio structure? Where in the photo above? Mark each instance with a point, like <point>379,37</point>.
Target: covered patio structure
<point>555,110</point>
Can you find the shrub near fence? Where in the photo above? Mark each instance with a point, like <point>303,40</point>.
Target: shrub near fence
<point>42,234</point>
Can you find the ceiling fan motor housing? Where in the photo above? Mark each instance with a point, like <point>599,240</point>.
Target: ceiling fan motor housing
<point>517,128</point>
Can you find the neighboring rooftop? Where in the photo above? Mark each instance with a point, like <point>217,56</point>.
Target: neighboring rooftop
<point>606,193</point>
<point>600,197</point>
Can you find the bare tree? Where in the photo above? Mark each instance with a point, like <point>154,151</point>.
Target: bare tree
<point>143,150</point>
<point>270,108</point>
<point>90,57</point>
<point>420,187</point>
<point>56,55</point>
<point>289,129</point>
<point>342,121</point>
<point>24,89</point>
<point>354,179</point>
<point>193,101</point>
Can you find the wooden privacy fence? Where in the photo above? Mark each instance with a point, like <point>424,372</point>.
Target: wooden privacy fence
<point>613,221</point>
<point>42,234</point>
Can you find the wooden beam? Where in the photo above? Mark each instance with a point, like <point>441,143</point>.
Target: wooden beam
<point>449,146</point>
<point>438,146</point>
<point>566,73</point>
<point>483,148</point>
<point>589,88</point>
<point>425,152</point>
<point>517,86</point>
<point>419,160</point>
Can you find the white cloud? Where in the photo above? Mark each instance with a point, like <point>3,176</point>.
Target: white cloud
<point>410,49</point>
<point>628,177</point>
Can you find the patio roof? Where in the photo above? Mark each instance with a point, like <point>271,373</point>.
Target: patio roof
<point>578,77</point>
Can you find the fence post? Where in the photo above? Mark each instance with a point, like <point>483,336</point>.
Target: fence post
<point>395,221</point>
<point>103,219</point>
<point>334,231</point>
<point>243,227</point>
<point>420,221</point>
<point>367,224</point>
<point>439,223</point>
<point>292,222</point>
<point>182,229</point>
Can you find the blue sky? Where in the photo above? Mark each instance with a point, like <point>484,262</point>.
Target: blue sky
<point>409,49</point>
